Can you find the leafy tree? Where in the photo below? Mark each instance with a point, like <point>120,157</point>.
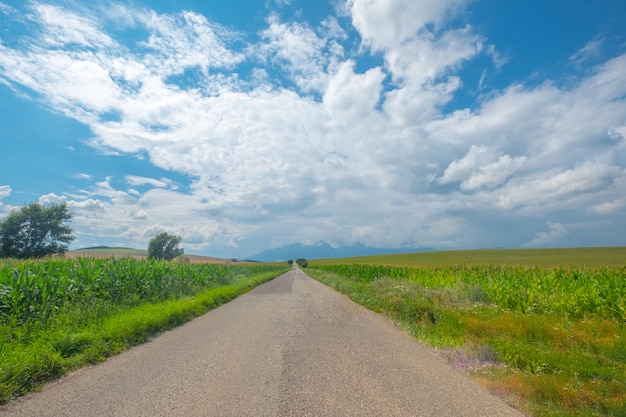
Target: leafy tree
<point>302,262</point>
<point>164,246</point>
<point>35,231</point>
<point>290,262</point>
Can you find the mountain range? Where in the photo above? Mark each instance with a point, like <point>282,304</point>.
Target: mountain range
<point>321,250</point>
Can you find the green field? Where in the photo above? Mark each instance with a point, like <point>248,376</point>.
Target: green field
<point>57,314</point>
<point>531,257</point>
<point>111,251</point>
<point>543,328</point>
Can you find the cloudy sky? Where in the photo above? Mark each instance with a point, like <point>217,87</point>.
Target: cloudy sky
<point>246,125</point>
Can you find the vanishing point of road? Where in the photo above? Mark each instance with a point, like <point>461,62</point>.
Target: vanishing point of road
<point>290,347</point>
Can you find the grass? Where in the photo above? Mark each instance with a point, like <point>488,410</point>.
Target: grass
<point>58,315</point>
<point>551,339</point>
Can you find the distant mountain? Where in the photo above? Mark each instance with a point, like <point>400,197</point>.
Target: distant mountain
<point>321,250</point>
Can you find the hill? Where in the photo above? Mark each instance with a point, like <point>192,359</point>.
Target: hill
<point>118,252</point>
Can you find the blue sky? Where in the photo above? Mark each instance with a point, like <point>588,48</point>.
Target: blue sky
<point>248,125</point>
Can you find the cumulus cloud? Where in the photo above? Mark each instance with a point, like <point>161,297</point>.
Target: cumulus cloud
<point>87,205</point>
<point>387,24</point>
<point>52,199</point>
<point>349,96</point>
<point>553,237</point>
<point>481,167</point>
<point>5,191</point>
<point>547,189</point>
<point>419,55</point>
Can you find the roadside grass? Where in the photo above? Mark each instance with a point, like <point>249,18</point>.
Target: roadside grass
<point>87,330</point>
<point>550,341</point>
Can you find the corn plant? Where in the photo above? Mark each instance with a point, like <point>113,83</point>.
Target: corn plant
<point>36,290</point>
<point>573,292</point>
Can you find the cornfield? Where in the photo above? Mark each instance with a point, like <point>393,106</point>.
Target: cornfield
<point>573,292</point>
<point>37,290</point>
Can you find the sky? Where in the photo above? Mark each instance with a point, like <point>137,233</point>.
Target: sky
<point>247,125</point>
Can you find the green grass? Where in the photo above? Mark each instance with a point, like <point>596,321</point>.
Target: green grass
<point>559,257</point>
<point>57,315</point>
<point>551,339</point>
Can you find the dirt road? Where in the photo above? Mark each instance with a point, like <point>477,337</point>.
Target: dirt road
<point>291,347</point>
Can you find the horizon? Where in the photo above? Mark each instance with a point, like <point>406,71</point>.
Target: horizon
<point>409,251</point>
<point>247,126</point>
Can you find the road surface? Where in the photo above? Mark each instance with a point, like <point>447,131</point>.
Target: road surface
<point>291,347</point>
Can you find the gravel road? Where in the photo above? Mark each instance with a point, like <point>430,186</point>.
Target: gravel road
<point>291,347</point>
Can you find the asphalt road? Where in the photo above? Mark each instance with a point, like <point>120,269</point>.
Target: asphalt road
<point>291,347</point>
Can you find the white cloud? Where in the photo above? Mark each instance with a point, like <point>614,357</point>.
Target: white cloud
<point>427,57</point>
<point>618,133</point>
<point>385,24</point>
<point>494,174</point>
<point>135,180</point>
<point>87,205</point>
<point>6,9</point>
<point>63,27</point>
<point>419,57</point>
<point>187,40</point>
<point>606,82</point>
<point>301,51</point>
<point>554,237</point>
<point>481,167</point>
<point>415,104</point>
<point>90,91</point>
<point>83,176</point>
<point>52,199</point>
<point>349,96</point>
<point>543,189</point>
<point>592,50</point>
<point>5,191</point>
<point>610,206</point>
<point>5,209</point>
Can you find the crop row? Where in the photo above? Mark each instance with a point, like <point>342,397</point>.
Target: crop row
<point>36,290</point>
<point>574,292</point>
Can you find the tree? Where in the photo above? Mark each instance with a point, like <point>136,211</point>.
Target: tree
<point>290,262</point>
<point>35,231</point>
<point>302,262</point>
<point>164,246</point>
